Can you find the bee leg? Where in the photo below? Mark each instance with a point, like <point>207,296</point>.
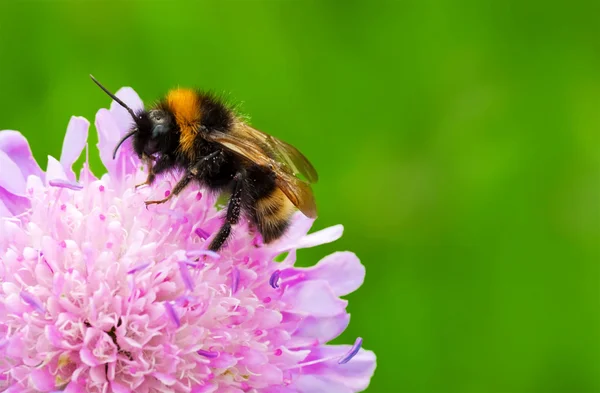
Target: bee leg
<point>234,209</point>
<point>149,181</point>
<point>151,175</point>
<point>180,186</point>
<point>164,163</point>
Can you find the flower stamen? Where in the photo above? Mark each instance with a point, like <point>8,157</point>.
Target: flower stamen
<point>274,280</point>
<point>61,183</point>
<point>138,268</point>
<point>208,354</point>
<point>352,352</point>
<point>186,276</point>
<point>235,279</point>
<point>172,314</point>
<point>32,301</point>
<point>341,360</point>
<point>201,233</point>
<point>199,253</point>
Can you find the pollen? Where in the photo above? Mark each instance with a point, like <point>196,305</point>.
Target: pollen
<point>63,360</point>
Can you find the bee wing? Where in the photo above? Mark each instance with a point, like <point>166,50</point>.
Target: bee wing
<point>292,158</point>
<point>298,192</point>
<point>242,147</point>
<point>259,148</point>
<point>252,140</point>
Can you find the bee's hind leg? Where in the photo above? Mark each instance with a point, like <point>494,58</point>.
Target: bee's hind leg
<point>234,210</point>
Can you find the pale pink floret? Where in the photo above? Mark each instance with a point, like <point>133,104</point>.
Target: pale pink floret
<point>100,294</point>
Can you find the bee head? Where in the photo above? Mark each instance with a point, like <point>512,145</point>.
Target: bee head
<point>153,132</point>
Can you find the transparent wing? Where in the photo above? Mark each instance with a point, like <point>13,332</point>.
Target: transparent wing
<point>261,148</point>
<point>298,192</point>
<point>285,161</point>
<point>293,158</point>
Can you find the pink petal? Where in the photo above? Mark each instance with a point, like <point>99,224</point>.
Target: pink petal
<point>269,375</point>
<point>108,137</point>
<point>54,171</point>
<point>11,177</point>
<point>323,236</point>
<point>168,380</point>
<point>112,125</point>
<point>299,227</point>
<point>314,298</point>
<point>207,388</point>
<point>42,380</point>
<point>86,174</point>
<point>97,374</point>
<point>253,357</point>
<point>74,387</point>
<point>16,389</point>
<point>53,335</point>
<point>119,388</point>
<point>14,144</point>
<point>355,375</point>
<point>4,212</point>
<point>280,389</point>
<point>87,357</point>
<point>74,142</point>
<point>230,389</point>
<point>12,204</point>
<point>293,356</point>
<point>342,270</point>
<point>323,329</point>
<point>15,347</point>
<point>109,134</point>
<point>121,116</point>
<point>314,384</point>
<point>224,360</point>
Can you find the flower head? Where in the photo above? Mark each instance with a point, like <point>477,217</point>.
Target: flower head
<point>100,294</point>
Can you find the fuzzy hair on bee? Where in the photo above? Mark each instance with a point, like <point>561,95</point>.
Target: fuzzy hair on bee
<point>197,134</point>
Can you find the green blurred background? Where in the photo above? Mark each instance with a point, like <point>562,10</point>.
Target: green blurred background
<point>458,143</point>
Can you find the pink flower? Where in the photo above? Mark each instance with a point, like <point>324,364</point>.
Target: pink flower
<point>100,294</point>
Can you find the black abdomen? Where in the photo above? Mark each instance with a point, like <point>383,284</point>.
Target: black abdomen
<point>268,209</point>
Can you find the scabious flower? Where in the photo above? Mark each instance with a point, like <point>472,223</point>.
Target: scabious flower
<point>100,294</point>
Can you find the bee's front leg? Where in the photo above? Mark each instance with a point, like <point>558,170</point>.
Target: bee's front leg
<point>156,166</point>
<point>180,186</point>
<point>193,172</point>
<point>149,161</point>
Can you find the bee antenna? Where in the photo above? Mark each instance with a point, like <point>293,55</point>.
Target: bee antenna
<point>114,97</point>
<point>127,136</point>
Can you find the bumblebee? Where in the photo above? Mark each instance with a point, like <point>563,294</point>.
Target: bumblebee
<point>196,133</point>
